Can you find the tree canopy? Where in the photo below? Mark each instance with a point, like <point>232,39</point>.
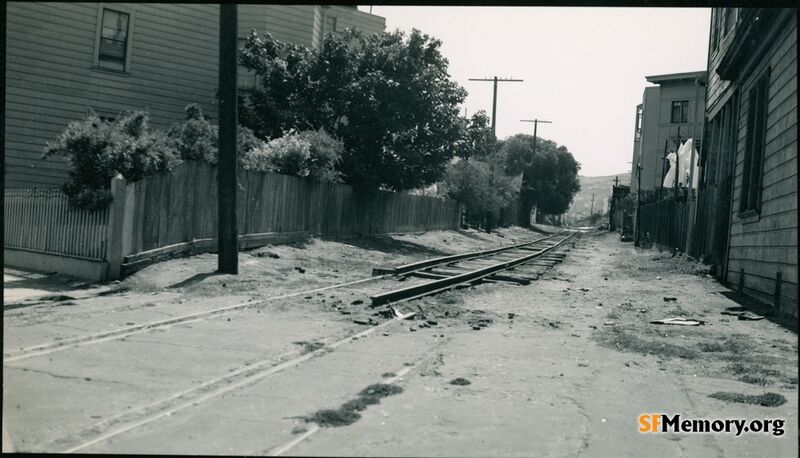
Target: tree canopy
<point>549,176</point>
<point>386,96</point>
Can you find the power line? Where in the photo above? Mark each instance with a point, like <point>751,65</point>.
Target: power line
<point>496,80</point>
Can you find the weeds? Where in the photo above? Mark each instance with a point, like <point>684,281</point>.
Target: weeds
<point>624,341</point>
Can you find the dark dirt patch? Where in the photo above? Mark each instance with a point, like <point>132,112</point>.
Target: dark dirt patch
<point>766,399</point>
<point>460,381</point>
<point>56,298</point>
<point>381,390</point>
<point>111,292</point>
<point>361,403</point>
<point>334,417</point>
<point>348,412</point>
<point>309,347</point>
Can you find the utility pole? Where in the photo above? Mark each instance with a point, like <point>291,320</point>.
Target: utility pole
<point>228,236</point>
<point>591,212</point>
<point>526,178</point>
<point>495,80</point>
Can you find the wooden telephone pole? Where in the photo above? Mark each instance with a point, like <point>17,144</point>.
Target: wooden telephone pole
<point>228,235</point>
<point>526,178</point>
<point>495,80</point>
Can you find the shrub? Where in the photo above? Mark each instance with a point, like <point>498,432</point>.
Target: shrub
<point>312,154</point>
<point>197,139</point>
<point>98,150</point>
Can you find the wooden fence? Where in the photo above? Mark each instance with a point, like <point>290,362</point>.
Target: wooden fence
<point>182,206</point>
<point>41,220</point>
<point>667,222</point>
<point>177,212</point>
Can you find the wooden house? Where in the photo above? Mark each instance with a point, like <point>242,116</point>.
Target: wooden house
<point>63,59</point>
<point>747,212</point>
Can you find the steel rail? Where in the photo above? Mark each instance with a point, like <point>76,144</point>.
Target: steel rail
<point>432,287</point>
<point>447,259</point>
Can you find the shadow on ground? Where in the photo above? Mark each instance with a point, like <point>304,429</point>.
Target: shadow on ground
<point>194,279</point>
<point>386,244</point>
<point>760,308</point>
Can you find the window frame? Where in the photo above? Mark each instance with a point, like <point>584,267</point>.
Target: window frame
<point>750,190</point>
<point>101,8</point>
<point>683,113</point>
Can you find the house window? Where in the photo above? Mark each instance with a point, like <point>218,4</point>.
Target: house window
<point>752,175</point>
<point>680,111</point>
<point>112,49</point>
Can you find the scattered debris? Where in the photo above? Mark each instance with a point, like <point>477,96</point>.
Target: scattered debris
<point>658,278</point>
<point>362,321</point>
<point>299,269</point>
<point>299,430</point>
<point>679,321</point>
<point>460,381</point>
<point>670,299</point>
<point>609,323</point>
<point>750,316</point>
<point>357,302</point>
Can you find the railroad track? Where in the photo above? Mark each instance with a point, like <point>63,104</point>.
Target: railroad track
<point>500,264</point>
<point>520,263</point>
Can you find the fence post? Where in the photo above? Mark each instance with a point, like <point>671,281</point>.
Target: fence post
<point>777,298</point>
<point>120,220</point>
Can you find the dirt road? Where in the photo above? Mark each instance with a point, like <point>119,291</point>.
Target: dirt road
<point>562,366</point>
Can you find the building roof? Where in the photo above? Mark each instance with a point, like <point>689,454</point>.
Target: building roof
<point>676,77</point>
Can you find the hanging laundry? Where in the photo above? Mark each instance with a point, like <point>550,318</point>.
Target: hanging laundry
<point>669,178</point>
<point>684,162</point>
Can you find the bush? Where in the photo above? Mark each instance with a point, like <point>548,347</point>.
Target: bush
<point>196,139</point>
<point>98,150</point>
<point>312,154</point>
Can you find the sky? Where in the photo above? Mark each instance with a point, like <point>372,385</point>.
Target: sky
<point>583,68</point>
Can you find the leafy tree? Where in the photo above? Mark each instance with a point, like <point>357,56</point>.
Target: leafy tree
<point>549,176</point>
<point>387,96</point>
<point>481,185</point>
<point>477,139</point>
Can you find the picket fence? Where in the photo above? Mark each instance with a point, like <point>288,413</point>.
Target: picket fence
<point>41,220</point>
<point>176,212</point>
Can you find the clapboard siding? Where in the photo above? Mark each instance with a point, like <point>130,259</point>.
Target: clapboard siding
<point>353,18</point>
<point>50,81</point>
<point>765,244</point>
<point>173,62</point>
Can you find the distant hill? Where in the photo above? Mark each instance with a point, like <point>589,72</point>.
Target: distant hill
<point>601,188</point>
